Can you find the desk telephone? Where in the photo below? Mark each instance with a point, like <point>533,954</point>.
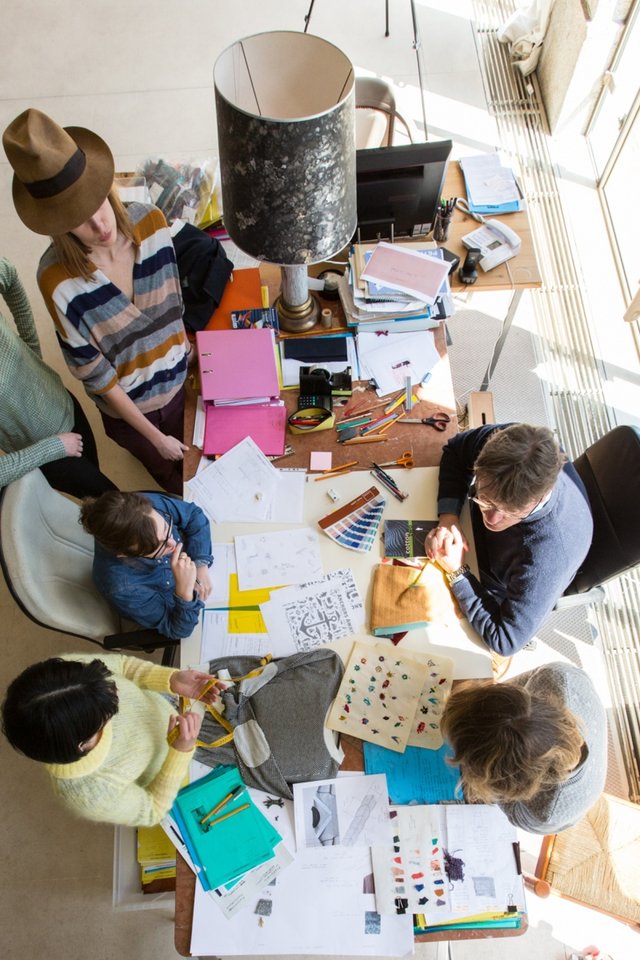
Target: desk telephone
<point>496,241</point>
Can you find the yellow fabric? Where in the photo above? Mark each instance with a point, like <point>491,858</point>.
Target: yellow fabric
<point>132,775</point>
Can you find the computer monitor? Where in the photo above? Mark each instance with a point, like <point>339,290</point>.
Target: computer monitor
<point>398,188</point>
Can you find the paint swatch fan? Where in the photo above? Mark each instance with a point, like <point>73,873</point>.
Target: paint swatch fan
<point>356,524</point>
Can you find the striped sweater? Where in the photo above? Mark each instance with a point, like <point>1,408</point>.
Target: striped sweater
<point>132,775</point>
<point>106,338</point>
<point>34,405</point>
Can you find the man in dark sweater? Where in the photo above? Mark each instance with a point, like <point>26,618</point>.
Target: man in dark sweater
<point>532,528</point>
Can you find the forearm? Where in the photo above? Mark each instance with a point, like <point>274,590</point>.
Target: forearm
<point>123,407</point>
<point>167,613</point>
<point>16,298</point>
<point>20,462</point>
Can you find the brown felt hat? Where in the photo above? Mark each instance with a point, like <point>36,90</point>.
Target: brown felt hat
<point>61,175</point>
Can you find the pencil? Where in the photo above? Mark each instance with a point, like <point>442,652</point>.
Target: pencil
<point>230,796</point>
<point>344,466</point>
<point>365,440</point>
<point>330,476</point>
<point>232,813</point>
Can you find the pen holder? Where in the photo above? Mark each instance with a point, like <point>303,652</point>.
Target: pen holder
<point>441,224</point>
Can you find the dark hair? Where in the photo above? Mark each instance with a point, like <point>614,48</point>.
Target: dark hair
<point>508,742</point>
<point>518,465</point>
<point>55,705</point>
<point>121,522</point>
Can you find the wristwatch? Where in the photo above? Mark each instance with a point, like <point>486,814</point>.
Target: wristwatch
<point>457,574</point>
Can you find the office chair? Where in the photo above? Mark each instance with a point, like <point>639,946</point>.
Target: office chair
<point>46,559</point>
<point>376,113</point>
<point>610,471</point>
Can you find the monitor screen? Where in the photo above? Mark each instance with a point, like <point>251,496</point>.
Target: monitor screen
<point>399,187</point>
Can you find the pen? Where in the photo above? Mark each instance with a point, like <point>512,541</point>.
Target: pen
<point>516,853</point>
<point>232,813</point>
<point>391,487</point>
<point>230,796</point>
<point>426,378</point>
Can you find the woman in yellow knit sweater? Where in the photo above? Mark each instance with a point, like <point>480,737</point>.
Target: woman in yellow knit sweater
<point>100,727</point>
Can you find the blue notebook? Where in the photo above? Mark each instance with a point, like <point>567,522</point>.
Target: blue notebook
<point>415,776</point>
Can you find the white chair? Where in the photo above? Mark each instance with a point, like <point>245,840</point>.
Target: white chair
<point>46,559</point>
<point>376,113</point>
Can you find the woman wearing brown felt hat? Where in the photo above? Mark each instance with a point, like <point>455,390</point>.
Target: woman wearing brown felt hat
<point>110,282</point>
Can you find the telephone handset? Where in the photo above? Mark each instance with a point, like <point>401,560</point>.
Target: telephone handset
<point>496,240</point>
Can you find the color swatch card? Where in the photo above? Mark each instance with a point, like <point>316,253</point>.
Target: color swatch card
<point>425,730</point>
<point>355,524</point>
<point>378,696</point>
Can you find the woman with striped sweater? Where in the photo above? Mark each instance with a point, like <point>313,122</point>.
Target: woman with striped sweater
<point>110,282</point>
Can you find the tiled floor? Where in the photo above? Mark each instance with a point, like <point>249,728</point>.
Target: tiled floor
<point>140,75</point>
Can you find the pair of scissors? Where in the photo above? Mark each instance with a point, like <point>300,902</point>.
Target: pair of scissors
<point>439,421</point>
<point>405,460</point>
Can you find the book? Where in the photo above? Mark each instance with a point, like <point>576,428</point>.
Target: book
<point>256,318</point>
<point>242,292</point>
<point>398,606</point>
<point>237,366</point>
<point>405,538</point>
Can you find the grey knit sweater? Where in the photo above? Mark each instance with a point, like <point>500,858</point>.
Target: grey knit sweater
<point>551,811</point>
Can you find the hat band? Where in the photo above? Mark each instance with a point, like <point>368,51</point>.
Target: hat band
<point>72,171</point>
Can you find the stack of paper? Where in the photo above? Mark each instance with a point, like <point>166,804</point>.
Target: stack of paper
<point>240,389</point>
<point>156,856</point>
<point>378,295</point>
<point>453,866</point>
<point>224,831</point>
<point>491,188</point>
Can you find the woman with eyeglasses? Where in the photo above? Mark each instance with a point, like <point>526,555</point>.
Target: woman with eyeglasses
<point>152,558</point>
<point>532,528</point>
<point>100,727</point>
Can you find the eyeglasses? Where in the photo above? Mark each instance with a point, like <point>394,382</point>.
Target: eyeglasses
<point>486,507</point>
<point>161,547</point>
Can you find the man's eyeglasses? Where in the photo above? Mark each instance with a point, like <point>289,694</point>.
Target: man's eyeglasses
<point>486,507</point>
<point>162,546</point>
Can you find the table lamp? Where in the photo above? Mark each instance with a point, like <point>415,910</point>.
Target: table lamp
<point>285,104</point>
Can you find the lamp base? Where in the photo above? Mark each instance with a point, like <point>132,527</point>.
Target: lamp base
<point>298,319</point>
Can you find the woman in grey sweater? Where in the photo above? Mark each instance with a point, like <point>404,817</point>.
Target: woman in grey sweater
<point>536,745</point>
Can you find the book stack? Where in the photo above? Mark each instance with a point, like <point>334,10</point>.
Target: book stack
<point>379,307</point>
<point>157,859</point>
<point>225,834</point>
<point>241,390</point>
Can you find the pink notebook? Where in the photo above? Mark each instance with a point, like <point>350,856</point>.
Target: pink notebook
<point>237,365</point>
<point>265,423</point>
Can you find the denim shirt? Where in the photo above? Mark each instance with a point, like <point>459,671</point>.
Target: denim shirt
<point>142,589</point>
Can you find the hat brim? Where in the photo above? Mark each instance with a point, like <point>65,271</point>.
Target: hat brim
<point>75,205</point>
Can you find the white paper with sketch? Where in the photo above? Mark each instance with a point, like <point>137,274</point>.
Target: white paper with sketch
<point>302,618</point>
<point>273,559</point>
<point>345,812</point>
<point>238,486</point>
<point>220,639</point>
<point>392,265</point>
<point>390,360</point>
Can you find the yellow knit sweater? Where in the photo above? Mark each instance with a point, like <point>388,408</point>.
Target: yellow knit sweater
<point>132,775</point>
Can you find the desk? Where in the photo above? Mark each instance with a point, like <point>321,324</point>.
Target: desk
<point>470,657</point>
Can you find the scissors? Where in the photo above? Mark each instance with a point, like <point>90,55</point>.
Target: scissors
<point>405,460</point>
<point>439,421</point>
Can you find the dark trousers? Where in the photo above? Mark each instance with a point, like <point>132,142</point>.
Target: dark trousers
<point>79,476</point>
<point>170,420</point>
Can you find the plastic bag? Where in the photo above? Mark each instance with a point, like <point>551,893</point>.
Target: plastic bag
<point>185,191</point>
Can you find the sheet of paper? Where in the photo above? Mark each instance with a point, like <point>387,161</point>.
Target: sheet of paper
<point>305,617</point>
<point>488,182</point>
<point>400,269</point>
<point>198,424</point>
<point>425,730</point>
<point>415,776</point>
<point>219,640</point>
<point>320,460</point>
<point>390,360</point>
<point>378,695</point>
<point>239,486</point>
<point>272,559</point>
<point>321,904</point>
<point>350,811</point>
